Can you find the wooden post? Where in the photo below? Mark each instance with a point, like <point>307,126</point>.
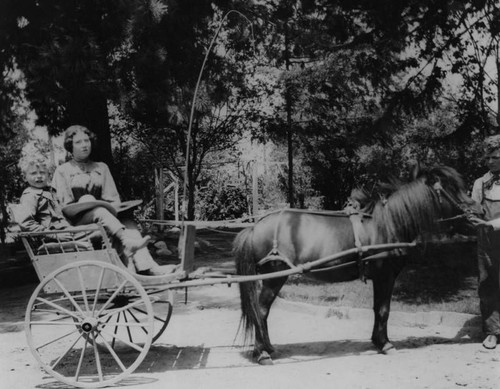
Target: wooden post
<point>176,199</point>
<point>159,193</point>
<point>255,189</point>
<point>187,240</point>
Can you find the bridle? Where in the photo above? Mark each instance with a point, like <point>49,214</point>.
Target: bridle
<point>466,212</point>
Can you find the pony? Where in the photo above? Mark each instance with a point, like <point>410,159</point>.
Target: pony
<point>288,238</point>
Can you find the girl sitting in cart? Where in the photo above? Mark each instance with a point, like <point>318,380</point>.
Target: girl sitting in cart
<point>80,178</point>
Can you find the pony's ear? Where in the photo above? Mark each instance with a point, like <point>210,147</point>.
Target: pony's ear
<point>415,169</point>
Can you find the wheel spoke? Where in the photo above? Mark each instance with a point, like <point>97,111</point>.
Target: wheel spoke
<point>154,316</point>
<point>80,361</point>
<point>111,298</point>
<point>129,324</point>
<point>115,330</point>
<point>54,312</point>
<point>68,295</point>
<point>56,300</point>
<point>82,286</point>
<point>98,289</point>
<point>59,308</point>
<point>159,321</point>
<point>128,328</point>
<point>53,366</point>
<point>106,322</point>
<point>137,321</point>
<point>124,308</point>
<point>113,353</point>
<point>97,358</point>
<point>133,345</point>
<point>52,323</point>
<point>56,339</point>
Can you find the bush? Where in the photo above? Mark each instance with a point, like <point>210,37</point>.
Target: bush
<point>218,202</point>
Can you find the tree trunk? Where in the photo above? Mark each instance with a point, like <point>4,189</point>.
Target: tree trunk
<point>190,191</point>
<point>497,62</point>
<point>288,101</point>
<point>89,107</point>
<point>4,217</point>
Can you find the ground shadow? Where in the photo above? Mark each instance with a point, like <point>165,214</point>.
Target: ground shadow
<point>343,348</point>
<point>129,381</point>
<point>163,358</point>
<point>471,329</point>
<point>13,307</point>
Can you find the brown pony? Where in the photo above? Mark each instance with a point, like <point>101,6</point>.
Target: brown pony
<point>294,237</point>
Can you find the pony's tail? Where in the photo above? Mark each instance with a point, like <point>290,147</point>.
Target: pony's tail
<point>252,321</point>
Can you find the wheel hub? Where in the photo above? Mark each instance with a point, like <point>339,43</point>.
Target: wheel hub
<point>89,324</point>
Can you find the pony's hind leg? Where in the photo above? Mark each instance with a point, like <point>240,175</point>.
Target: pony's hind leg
<point>269,292</point>
<point>384,278</point>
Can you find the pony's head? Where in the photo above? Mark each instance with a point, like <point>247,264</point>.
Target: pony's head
<point>415,207</point>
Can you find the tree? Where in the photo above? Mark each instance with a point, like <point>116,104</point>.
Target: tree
<point>65,51</point>
<point>350,76</point>
<point>12,137</point>
<point>159,93</point>
<point>361,71</point>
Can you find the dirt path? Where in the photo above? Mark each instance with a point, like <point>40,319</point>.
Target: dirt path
<point>315,349</point>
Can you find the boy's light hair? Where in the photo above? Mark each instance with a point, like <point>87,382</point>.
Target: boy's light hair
<point>38,160</point>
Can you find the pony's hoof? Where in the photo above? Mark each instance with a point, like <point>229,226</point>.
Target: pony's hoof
<point>265,359</point>
<point>388,349</point>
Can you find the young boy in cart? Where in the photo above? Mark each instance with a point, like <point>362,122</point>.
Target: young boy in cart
<point>38,208</point>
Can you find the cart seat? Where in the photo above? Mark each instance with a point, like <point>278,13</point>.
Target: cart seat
<point>63,247</point>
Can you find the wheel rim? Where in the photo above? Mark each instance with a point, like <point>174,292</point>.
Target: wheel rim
<point>73,333</point>
<point>162,308</point>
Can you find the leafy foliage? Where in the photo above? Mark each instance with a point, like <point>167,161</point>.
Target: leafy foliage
<point>221,202</point>
<point>358,88</point>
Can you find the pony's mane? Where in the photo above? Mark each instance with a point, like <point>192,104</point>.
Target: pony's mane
<point>411,208</point>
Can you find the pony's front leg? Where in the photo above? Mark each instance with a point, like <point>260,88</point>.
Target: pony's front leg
<point>383,278</point>
<point>262,347</point>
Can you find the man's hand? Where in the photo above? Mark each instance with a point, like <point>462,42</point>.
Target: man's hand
<point>491,225</point>
<point>475,221</point>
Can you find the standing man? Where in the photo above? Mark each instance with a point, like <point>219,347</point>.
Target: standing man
<point>486,192</point>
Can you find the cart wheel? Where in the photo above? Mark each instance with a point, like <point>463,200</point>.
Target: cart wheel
<point>88,294</point>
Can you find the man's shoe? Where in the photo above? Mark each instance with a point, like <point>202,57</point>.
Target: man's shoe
<point>490,342</point>
<point>130,246</point>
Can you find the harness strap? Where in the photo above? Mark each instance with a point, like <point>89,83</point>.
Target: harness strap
<point>356,222</point>
<point>275,249</point>
<point>356,218</point>
<point>275,254</point>
<point>276,257</point>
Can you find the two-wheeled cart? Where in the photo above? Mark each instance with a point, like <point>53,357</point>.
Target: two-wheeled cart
<point>90,322</point>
